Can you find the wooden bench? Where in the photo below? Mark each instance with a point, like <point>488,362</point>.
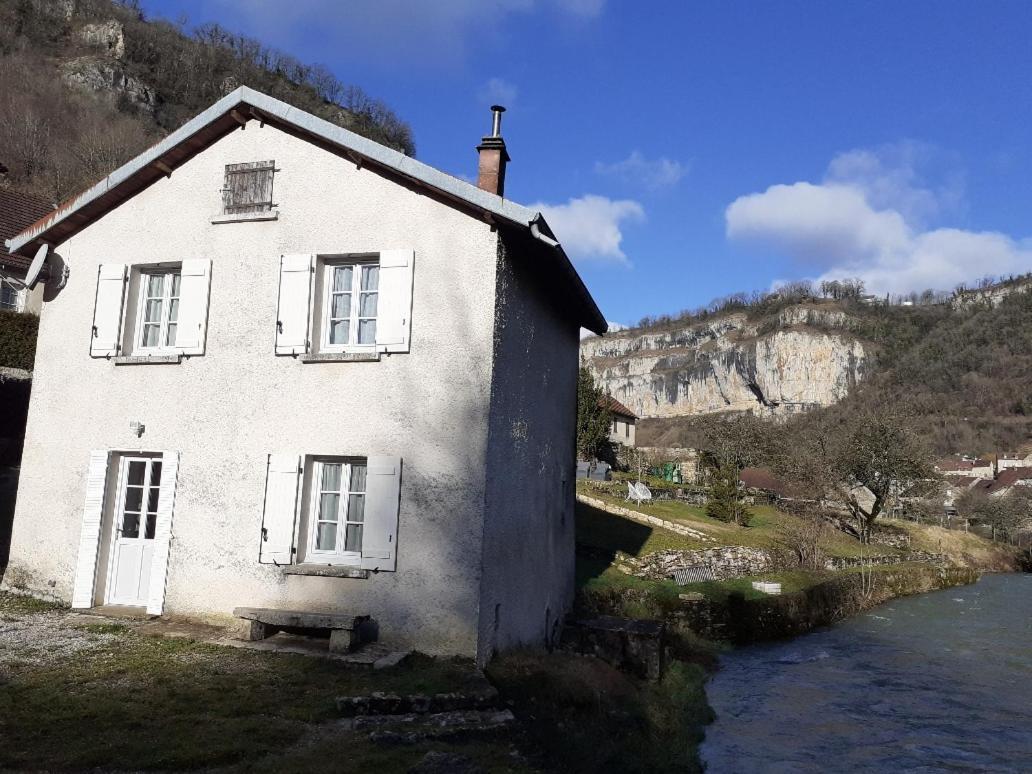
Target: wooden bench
<point>347,631</point>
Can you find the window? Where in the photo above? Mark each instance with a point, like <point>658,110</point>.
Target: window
<point>350,305</point>
<point>348,509</point>
<point>338,510</point>
<point>158,312</point>
<point>248,188</point>
<point>11,298</point>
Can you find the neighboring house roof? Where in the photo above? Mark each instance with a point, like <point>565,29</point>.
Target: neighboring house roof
<point>761,478</point>
<point>245,104</point>
<point>18,211</point>
<point>1009,478</point>
<point>954,464</point>
<point>616,407</point>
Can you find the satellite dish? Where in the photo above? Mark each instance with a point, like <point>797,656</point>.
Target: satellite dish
<point>32,275</point>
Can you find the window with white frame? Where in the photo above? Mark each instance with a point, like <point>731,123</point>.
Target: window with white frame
<point>11,298</point>
<point>350,305</point>
<point>158,311</point>
<point>337,516</point>
<point>331,510</point>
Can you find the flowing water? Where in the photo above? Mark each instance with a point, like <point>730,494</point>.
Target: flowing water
<point>940,682</point>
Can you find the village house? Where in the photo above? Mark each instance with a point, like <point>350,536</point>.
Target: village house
<point>292,369</point>
<point>18,211</point>
<point>621,430</point>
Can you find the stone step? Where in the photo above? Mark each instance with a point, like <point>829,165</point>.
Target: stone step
<point>414,727</point>
<point>481,695</point>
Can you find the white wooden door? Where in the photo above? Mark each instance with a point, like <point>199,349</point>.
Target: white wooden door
<point>135,520</point>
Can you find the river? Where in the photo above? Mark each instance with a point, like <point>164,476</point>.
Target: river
<point>939,682</point>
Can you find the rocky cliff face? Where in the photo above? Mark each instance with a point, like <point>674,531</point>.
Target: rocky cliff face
<point>805,358</point>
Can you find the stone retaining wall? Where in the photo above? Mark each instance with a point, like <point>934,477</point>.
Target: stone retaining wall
<point>724,562</point>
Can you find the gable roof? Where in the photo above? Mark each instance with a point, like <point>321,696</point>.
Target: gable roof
<point>245,104</point>
<point>17,212</point>
<point>616,407</point>
<point>1009,478</point>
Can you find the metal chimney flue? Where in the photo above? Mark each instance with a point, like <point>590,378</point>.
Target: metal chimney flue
<point>493,156</point>
<point>496,123</point>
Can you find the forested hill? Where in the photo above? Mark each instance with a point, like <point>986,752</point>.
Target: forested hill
<point>85,85</point>
<point>959,366</point>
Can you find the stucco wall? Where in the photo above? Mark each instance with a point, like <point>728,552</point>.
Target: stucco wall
<point>224,411</point>
<point>528,565</point>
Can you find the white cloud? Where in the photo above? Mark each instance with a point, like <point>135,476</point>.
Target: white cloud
<point>590,227</point>
<point>868,219</point>
<point>652,174</point>
<point>395,32</point>
<point>498,92</point>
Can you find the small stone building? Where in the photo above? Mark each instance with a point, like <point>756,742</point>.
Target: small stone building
<point>294,369</point>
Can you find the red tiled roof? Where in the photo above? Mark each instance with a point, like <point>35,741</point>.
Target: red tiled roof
<point>761,478</point>
<point>1008,478</point>
<point>616,407</point>
<point>18,211</point>
<point>954,464</point>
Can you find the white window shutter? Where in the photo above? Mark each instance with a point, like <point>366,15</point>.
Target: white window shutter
<point>383,495</point>
<point>163,531</point>
<point>394,312</point>
<point>277,540</point>
<point>295,297</point>
<point>89,534</point>
<point>192,321</point>
<point>107,310</point>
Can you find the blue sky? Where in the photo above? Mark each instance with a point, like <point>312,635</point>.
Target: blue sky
<point>688,150</point>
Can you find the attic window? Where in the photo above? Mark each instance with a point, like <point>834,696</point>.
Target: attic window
<point>247,192</point>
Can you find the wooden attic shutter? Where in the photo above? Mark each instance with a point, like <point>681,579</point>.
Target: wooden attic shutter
<point>248,187</point>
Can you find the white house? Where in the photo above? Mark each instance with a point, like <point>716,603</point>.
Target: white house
<point>623,423</point>
<point>294,369</point>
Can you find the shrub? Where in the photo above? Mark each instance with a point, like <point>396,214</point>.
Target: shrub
<point>18,339</point>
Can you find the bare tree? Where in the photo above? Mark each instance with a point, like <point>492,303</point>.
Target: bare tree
<point>857,458</point>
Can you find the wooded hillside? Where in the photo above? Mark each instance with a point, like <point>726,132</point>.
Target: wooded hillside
<point>87,84</point>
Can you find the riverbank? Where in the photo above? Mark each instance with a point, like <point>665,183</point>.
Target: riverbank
<point>624,550</point>
<point>939,680</point>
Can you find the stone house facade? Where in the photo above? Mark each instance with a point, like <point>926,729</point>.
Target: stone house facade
<point>292,368</point>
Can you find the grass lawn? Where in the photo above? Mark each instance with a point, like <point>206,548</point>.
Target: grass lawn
<point>79,696</point>
<point>764,530</point>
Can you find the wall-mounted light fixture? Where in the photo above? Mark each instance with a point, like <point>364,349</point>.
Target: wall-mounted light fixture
<point>137,427</point>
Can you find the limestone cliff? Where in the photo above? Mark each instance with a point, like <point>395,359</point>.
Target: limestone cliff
<point>804,357</point>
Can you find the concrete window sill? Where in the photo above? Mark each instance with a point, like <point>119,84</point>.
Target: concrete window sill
<point>244,217</point>
<point>326,571</point>
<point>341,357</point>
<point>147,359</point>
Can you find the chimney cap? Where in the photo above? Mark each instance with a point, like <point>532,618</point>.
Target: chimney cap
<point>498,108</point>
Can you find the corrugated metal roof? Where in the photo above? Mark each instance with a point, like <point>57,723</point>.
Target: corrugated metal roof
<point>245,104</point>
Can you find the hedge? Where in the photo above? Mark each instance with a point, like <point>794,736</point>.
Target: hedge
<point>18,339</point>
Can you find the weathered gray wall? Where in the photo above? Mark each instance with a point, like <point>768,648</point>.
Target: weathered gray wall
<point>226,410</point>
<point>528,563</point>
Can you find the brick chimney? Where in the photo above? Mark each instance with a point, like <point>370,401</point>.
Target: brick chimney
<point>493,157</point>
